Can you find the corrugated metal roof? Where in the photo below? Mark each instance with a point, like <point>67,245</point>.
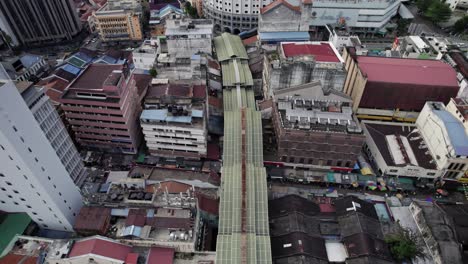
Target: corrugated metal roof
<point>284,36</point>
<point>229,46</point>
<point>161,115</point>
<point>229,70</point>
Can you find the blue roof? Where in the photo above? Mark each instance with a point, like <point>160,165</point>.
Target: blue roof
<point>168,9</point>
<point>161,115</point>
<point>284,36</point>
<point>108,59</point>
<point>29,60</point>
<point>197,113</point>
<point>80,55</point>
<point>455,131</point>
<point>71,69</point>
<point>132,231</point>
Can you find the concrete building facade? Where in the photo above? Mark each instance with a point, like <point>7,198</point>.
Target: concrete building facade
<point>186,37</point>
<point>174,121</point>
<point>102,107</point>
<point>233,15</point>
<point>297,63</point>
<point>314,129</point>
<point>118,24</point>
<point>24,67</point>
<point>33,178</point>
<point>38,22</point>
<point>446,139</point>
<point>53,128</point>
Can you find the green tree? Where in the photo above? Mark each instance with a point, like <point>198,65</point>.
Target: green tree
<point>404,245</point>
<point>423,5</point>
<point>402,26</point>
<point>461,25</point>
<point>153,72</point>
<point>190,10</point>
<point>438,12</point>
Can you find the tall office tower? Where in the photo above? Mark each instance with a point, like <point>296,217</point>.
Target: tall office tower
<point>35,22</point>
<point>53,128</point>
<point>33,178</point>
<point>103,108</point>
<point>234,16</point>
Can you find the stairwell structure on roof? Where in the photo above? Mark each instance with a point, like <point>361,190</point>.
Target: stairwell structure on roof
<point>243,234</point>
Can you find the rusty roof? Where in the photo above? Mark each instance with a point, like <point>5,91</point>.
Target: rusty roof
<point>95,76</point>
<point>92,218</point>
<point>275,4</point>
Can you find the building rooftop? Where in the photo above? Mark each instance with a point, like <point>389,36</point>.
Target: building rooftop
<point>284,36</point>
<point>292,203</point>
<point>28,60</point>
<point>163,115</point>
<point>12,224</point>
<point>95,76</point>
<point>317,115</point>
<point>236,72</point>
<point>412,142</point>
<point>462,106</point>
<point>363,244</point>
<point>408,71</point>
<point>229,46</point>
<point>352,203</point>
<point>92,219</point>
<point>299,244</point>
<point>160,255</point>
<point>189,26</point>
<point>454,127</point>
<point>100,246</point>
<point>322,51</point>
<point>275,4</point>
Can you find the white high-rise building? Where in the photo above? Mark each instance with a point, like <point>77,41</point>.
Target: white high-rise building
<point>33,178</point>
<point>53,128</point>
<point>234,16</point>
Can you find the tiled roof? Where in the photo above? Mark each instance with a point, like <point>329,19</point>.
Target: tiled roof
<point>322,51</point>
<point>92,218</point>
<point>250,40</point>
<point>277,3</point>
<point>100,246</point>
<point>136,217</point>
<point>160,255</point>
<point>292,203</point>
<point>298,244</point>
<point>132,258</point>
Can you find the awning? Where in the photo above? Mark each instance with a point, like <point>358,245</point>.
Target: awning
<point>406,184</point>
<point>405,13</point>
<point>330,177</point>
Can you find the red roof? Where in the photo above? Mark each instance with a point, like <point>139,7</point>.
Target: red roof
<point>322,51</point>
<point>199,91</point>
<point>208,204</point>
<point>160,255</point>
<point>174,187</point>
<point>274,4</point>
<point>250,40</point>
<point>215,102</point>
<point>100,247</point>
<point>132,258</point>
<point>93,219</point>
<point>213,152</point>
<point>13,259</point>
<point>407,71</point>
<point>136,217</point>
<point>327,208</point>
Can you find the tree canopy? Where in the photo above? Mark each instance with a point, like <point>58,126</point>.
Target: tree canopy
<point>153,72</point>
<point>461,25</point>
<point>404,245</point>
<point>190,10</point>
<point>436,10</point>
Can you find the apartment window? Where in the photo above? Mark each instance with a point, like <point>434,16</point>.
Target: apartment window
<point>45,226</point>
<point>28,206</point>
<point>36,159</point>
<point>29,149</point>
<point>26,177</point>
<point>34,213</point>
<point>291,159</point>
<point>55,186</point>
<point>48,177</point>
<point>2,175</point>
<point>9,196</point>
<point>329,162</point>
<point>2,202</point>
<point>40,219</point>
<point>42,168</point>
<point>44,201</point>
<point>14,128</point>
<point>393,170</point>
<point>18,167</point>
<point>10,157</point>
<point>50,209</point>
<point>69,208</point>
<point>16,203</point>
<point>1,146</point>
<point>310,161</point>
<point>38,194</point>
<point>22,139</point>
<point>60,193</point>
<point>22,199</point>
<point>8,183</point>
<point>15,191</point>
<point>3,189</point>
<point>65,201</point>
<point>32,186</point>
<point>301,160</point>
